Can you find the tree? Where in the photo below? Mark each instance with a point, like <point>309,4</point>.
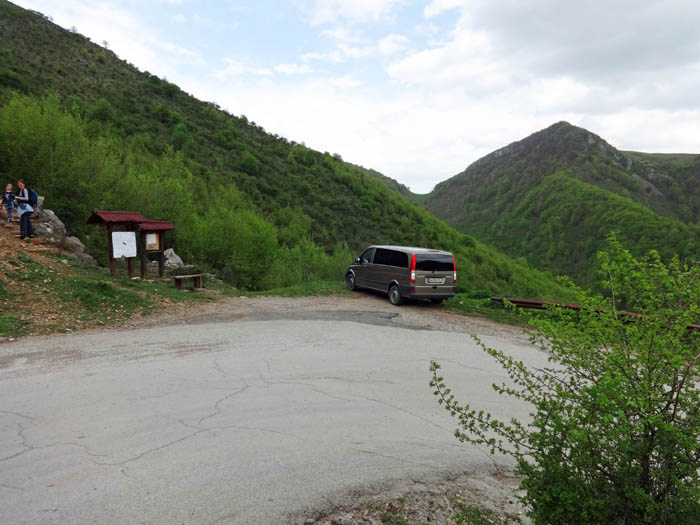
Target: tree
<point>615,431</point>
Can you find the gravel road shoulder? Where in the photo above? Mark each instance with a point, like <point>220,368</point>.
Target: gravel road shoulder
<point>415,315</point>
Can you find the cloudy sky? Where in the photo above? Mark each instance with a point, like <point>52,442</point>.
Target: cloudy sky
<point>419,89</point>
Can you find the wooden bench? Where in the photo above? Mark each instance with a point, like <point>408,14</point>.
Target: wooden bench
<point>196,280</point>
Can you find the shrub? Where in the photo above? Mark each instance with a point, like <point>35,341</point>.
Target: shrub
<point>616,419</point>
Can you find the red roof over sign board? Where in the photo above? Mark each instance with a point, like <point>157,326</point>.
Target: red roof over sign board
<point>154,226</point>
<point>115,217</point>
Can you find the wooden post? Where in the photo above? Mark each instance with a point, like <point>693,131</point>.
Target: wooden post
<point>112,261</point>
<point>143,254</point>
<point>130,266</point>
<point>161,259</point>
<point>161,263</point>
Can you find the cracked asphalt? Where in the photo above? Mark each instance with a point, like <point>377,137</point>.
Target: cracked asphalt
<point>266,415</point>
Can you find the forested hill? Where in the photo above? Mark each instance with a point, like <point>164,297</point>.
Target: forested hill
<point>555,195</point>
<point>392,183</point>
<point>90,131</point>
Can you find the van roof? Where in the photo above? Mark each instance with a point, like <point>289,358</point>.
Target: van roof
<point>410,249</point>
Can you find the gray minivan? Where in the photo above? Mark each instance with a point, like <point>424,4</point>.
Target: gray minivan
<point>404,273</point>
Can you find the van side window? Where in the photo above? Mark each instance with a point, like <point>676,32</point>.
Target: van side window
<point>391,258</point>
<point>399,259</point>
<point>367,256</point>
<point>382,256</point>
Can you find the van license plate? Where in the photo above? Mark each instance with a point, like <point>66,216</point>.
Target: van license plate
<point>435,280</point>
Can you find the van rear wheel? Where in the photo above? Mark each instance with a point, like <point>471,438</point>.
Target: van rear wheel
<point>350,282</point>
<point>395,295</point>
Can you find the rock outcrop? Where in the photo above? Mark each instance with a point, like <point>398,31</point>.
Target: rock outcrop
<point>73,245</point>
<point>47,225</point>
<point>172,260</point>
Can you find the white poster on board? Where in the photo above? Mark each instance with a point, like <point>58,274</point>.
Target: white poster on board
<point>123,244</point>
<point>152,241</point>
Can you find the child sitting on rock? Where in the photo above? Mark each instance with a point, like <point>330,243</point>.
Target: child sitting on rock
<point>8,199</point>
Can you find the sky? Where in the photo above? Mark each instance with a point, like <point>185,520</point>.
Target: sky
<point>419,89</point>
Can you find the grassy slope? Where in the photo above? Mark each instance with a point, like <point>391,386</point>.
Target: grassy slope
<point>149,113</point>
<point>509,200</point>
<point>49,292</point>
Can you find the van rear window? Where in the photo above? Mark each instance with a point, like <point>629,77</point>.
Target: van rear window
<point>437,263</point>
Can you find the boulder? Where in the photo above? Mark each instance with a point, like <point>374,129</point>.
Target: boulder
<point>73,245</point>
<point>77,249</point>
<point>86,258</point>
<point>172,260</point>
<point>47,224</point>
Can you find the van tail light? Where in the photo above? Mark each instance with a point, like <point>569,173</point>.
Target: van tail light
<point>413,269</point>
<point>454,268</point>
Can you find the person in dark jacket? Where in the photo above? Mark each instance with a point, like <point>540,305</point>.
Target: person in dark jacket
<point>24,210</point>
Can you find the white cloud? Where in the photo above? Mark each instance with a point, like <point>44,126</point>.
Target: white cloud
<point>292,69</point>
<point>392,44</point>
<point>176,49</point>
<point>179,18</point>
<point>233,68</point>
<point>356,51</point>
<point>334,57</point>
<point>465,61</point>
<point>437,7</point>
<point>342,34</point>
<point>321,12</point>
<point>348,45</point>
<point>236,68</point>
<point>345,82</point>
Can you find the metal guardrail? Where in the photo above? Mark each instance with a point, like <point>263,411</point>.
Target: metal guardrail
<point>542,305</point>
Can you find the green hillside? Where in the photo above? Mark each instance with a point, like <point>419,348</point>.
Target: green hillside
<point>91,131</point>
<point>513,200</point>
<point>677,176</point>
<point>563,223</point>
<point>392,183</point>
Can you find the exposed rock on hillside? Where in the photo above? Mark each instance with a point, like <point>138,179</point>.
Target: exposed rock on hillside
<point>48,226</point>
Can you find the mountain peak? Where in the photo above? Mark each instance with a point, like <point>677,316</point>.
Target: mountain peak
<point>563,128</point>
<point>560,140</point>
<point>562,124</point>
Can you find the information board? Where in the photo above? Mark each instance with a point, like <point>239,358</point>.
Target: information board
<point>152,242</point>
<point>123,244</point>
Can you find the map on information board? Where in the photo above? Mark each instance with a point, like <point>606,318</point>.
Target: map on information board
<point>123,244</point>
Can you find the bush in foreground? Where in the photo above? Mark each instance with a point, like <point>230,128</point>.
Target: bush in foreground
<point>615,434</point>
